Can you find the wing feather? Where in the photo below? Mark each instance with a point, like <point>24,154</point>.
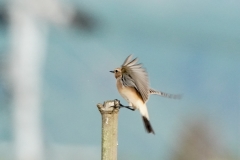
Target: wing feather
<point>134,75</point>
<point>127,60</point>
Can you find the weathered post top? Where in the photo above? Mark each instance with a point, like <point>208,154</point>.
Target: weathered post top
<point>109,111</point>
<point>109,106</point>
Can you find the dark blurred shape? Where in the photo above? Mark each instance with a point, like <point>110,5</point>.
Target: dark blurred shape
<point>200,142</point>
<point>84,21</point>
<point>3,16</point>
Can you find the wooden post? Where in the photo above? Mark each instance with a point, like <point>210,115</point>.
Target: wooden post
<point>109,111</point>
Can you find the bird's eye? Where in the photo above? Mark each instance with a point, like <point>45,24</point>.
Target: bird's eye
<point>116,71</point>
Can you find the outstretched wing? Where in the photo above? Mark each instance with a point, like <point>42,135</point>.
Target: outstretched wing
<point>134,75</point>
<point>174,96</point>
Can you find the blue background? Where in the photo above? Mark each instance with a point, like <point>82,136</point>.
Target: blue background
<point>187,47</point>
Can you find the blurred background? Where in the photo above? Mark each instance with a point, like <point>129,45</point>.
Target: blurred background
<point>55,58</point>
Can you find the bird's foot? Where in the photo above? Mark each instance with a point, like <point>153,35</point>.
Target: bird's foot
<point>119,105</point>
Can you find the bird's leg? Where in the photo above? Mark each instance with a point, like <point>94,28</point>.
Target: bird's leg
<point>119,105</point>
<point>128,107</point>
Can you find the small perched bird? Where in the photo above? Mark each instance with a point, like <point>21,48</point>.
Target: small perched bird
<point>133,85</point>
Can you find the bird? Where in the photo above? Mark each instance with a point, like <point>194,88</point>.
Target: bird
<point>133,85</point>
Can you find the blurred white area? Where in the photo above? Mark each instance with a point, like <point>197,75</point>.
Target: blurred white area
<point>26,62</point>
<point>28,31</point>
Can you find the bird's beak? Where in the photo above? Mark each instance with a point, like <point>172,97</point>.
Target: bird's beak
<point>111,71</point>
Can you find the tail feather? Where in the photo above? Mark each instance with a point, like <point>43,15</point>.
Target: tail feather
<point>147,125</point>
<point>174,96</point>
<point>144,112</point>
